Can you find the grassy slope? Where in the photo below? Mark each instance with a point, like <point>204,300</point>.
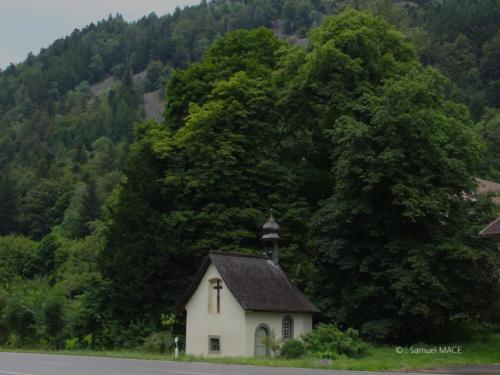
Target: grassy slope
<point>484,351</point>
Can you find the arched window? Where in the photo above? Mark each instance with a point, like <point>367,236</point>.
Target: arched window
<point>287,328</point>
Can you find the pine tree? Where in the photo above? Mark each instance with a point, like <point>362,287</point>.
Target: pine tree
<point>8,204</point>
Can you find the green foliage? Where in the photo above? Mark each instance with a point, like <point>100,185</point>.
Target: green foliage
<point>28,314</point>
<point>159,343</point>
<point>115,334</point>
<point>328,341</point>
<point>71,344</point>
<point>156,76</point>
<point>351,55</point>
<point>395,219</point>
<point>53,318</point>
<point>293,349</point>
<point>43,207</point>
<point>168,321</point>
<point>253,52</point>
<point>489,129</point>
<point>353,142</point>
<point>81,210</point>
<point>357,116</point>
<point>272,343</point>
<point>205,178</point>
<point>16,259</point>
<point>45,256</point>
<point>8,204</point>
<point>52,292</point>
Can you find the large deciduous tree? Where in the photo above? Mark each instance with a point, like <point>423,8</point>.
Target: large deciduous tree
<point>204,184</point>
<point>395,256</point>
<point>393,161</point>
<point>352,128</point>
<point>489,130</point>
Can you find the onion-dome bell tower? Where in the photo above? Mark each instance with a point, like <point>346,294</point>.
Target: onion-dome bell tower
<point>271,238</point>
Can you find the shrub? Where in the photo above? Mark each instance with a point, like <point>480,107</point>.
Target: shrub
<point>21,323</point>
<point>272,343</point>
<point>293,349</point>
<point>381,330</point>
<point>53,311</point>
<point>87,341</point>
<point>158,342</point>
<point>461,330</point>
<point>327,339</point>
<point>71,344</point>
<point>118,335</point>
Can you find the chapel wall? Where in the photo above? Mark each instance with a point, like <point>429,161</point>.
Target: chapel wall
<point>203,321</point>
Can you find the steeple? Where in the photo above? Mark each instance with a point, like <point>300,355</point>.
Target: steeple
<point>271,239</point>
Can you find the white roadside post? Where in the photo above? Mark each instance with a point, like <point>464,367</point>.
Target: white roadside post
<point>176,352</point>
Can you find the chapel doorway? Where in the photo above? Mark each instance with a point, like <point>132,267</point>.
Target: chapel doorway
<point>261,348</point>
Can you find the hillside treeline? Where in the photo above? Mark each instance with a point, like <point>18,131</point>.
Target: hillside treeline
<point>341,125</point>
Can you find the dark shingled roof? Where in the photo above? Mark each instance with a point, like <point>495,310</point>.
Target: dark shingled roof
<point>256,282</point>
<point>492,230</point>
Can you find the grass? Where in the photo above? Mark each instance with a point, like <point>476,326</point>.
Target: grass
<point>482,351</point>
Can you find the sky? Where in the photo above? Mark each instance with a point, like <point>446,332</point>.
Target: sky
<point>29,25</point>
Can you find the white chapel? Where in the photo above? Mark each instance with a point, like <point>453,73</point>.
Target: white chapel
<point>236,300</point>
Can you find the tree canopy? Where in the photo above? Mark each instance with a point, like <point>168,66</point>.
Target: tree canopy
<point>362,124</point>
<point>392,156</point>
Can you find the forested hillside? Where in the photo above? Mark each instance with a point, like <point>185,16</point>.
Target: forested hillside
<point>362,138</point>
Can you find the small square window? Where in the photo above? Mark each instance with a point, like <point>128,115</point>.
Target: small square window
<point>214,344</point>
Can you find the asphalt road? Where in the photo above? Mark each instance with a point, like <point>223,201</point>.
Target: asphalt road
<point>39,364</point>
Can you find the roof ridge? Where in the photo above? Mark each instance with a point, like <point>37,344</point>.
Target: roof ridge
<point>239,255</point>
